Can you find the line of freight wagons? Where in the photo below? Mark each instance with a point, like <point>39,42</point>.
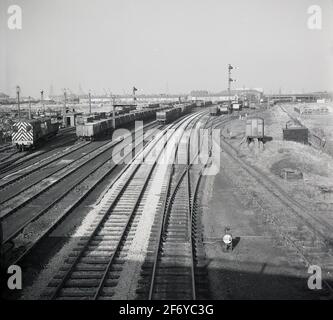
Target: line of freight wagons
<point>169,115</point>
<point>91,127</point>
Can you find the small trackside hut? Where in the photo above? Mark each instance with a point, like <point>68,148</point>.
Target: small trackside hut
<point>296,132</point>
<point>71,118</point>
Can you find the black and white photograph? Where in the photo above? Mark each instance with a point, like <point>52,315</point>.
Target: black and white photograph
<point>157,150</point>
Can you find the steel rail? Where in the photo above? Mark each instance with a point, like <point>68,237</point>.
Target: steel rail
<point>261,177</point>
<point>136,205</point>
<point>104,219</point>
<point>267,182</point>
<point>62,195</point>
<point>70,209</point>
<point>75,167</point>
<point>12,164</point>
<point>40,166</point>
<point>167,202</point>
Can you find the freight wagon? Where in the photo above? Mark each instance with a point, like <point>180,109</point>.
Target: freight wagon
<point>27,134</point>
<point>236,107</point>
<point>93,128</point>
<point>186,108</point>
<point>214,110</point>
<point>199,103</point>
<point>224,109</point>
<point>169,115</point>
<point>254,129</point>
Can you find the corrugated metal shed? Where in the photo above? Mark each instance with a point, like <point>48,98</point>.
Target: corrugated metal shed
<point>297,133</point>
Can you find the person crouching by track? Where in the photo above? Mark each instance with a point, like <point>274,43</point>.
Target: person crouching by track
<point>227,240</point>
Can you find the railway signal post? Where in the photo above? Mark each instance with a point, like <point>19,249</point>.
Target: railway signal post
<point>134,97</point>
<point>42,100</point>
<point>230,67</point>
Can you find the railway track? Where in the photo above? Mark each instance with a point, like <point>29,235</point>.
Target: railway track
<point>16,183</point>
<point>309,235</point>
<point>92,270</point>
<point>7,156</point>
<point>10,181</point>
<point>173,273</point>
<point>84,178</point>
<point>26,158</point>
<point>318,225</point>
<point>174,267</point>
<point>16,200</point>
<point>5,147</point>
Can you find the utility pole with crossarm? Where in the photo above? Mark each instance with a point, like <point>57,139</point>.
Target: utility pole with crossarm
<point>230,67</point>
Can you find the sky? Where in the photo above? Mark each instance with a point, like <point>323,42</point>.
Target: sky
<point>165,46</point>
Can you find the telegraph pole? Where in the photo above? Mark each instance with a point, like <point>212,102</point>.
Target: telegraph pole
<point>230,67</point>
<point>113,102</point>
<point>29,108</point>
<point>64,113</point>
<point>89,102</point>
<point>18,89</point>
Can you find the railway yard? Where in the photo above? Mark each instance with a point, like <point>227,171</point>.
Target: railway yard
<point>138,213</point>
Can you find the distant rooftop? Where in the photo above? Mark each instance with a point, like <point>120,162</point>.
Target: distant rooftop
<point>202,93</point>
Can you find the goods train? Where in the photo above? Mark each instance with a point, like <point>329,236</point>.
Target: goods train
<point>93,126</point>
<point>169,115</point>
<point>27,134</point>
